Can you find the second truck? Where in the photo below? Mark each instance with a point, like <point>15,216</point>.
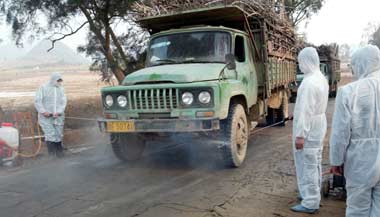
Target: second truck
<point>215,70</point>
<point>330,67</point>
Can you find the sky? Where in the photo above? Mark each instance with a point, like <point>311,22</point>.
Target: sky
<point>73,41</point>
<point>340,21</point>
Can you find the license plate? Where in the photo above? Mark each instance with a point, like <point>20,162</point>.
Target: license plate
<point>124,126</point>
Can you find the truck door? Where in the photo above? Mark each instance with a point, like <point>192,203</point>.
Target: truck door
<point>245,67</point>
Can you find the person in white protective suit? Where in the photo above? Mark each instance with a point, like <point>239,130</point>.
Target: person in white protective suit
<point>309,129</point>
<point>50,102</point>
<point>355,138</point>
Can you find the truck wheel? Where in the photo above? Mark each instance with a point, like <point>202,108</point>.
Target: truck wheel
<point>278,115</point>
<point>293,98</point>
<point>235,136</point>
<point>271,116</point>
<point>283,112</point>
<point>325,189</point>
<point>333,93</point>
<point>127,147</point>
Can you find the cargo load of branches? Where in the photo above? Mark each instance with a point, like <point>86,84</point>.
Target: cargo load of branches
<point>325,51</point>
<point>329,51</point>
<point>264,8</point>
<point>280,35</point>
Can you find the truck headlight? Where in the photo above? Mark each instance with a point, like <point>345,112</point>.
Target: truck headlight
<point>109,101</point>
<point>122,101</point>
<point>187,98</point>
<point>204,97</point>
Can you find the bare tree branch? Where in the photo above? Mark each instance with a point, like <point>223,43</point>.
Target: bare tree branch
<point>303,12</point>
<point>65,35</point>
<point>294,8</point>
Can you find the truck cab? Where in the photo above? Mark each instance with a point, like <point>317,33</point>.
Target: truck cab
<point>186,74</point>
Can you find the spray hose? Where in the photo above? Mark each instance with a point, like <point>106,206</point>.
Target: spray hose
<point>18,153</point>
<point>275,124</point>
<point>81,119</point>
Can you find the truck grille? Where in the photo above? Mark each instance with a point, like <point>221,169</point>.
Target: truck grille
<point>153,99</point>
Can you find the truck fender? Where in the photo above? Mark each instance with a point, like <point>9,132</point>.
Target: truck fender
<point>241,99</point>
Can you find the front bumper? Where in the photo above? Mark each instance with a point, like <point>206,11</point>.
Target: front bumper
<point>162,125</point>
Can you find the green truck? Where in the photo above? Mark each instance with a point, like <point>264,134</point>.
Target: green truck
<point>214,71</point>
<point>330,67</point>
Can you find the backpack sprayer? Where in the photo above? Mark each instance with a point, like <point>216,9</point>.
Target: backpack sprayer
<point>10,142</point>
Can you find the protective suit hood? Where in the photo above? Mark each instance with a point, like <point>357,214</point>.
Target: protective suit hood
<point>308,61</point>
<point>54,78</point>
<point>365,61</point>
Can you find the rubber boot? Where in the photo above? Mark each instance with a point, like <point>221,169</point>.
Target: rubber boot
<point>50,148</point>
<point>302,209</point>
<point>59,149</point>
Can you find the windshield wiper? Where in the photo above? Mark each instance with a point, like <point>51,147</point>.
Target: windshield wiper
<point>164,61</point>
<point>198,61</point>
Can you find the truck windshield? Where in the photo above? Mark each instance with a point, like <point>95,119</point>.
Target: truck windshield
<point>193,47</point>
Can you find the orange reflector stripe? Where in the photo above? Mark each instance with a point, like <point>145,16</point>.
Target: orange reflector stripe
<point>110,116</point>
<point>205,114</point>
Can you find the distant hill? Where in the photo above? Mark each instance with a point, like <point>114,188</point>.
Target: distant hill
<point>11,52</point>
<point>61,54</point>
<point>38,56</point>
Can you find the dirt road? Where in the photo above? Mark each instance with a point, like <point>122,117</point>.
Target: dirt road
<point>186,180</point>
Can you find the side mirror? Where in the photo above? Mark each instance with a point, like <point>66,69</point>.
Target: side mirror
<point>230,61</point>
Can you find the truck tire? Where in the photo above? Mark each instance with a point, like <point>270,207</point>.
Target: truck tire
<point>278,116</point>
<point>333,93</point>
<point>271,116</point>
<point>293,98</point>
<point>325,189</point>
<point>235,133</point>
<point>283,112</point>
<point>128,147</point>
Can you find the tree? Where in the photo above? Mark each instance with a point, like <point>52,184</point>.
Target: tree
<point>371,34</point>
<point>345,52</point>
<point>375,39</point>
<point>368,32</point>
<point>133,41</point>
<point>100,16</point>
<point>299,10</point>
